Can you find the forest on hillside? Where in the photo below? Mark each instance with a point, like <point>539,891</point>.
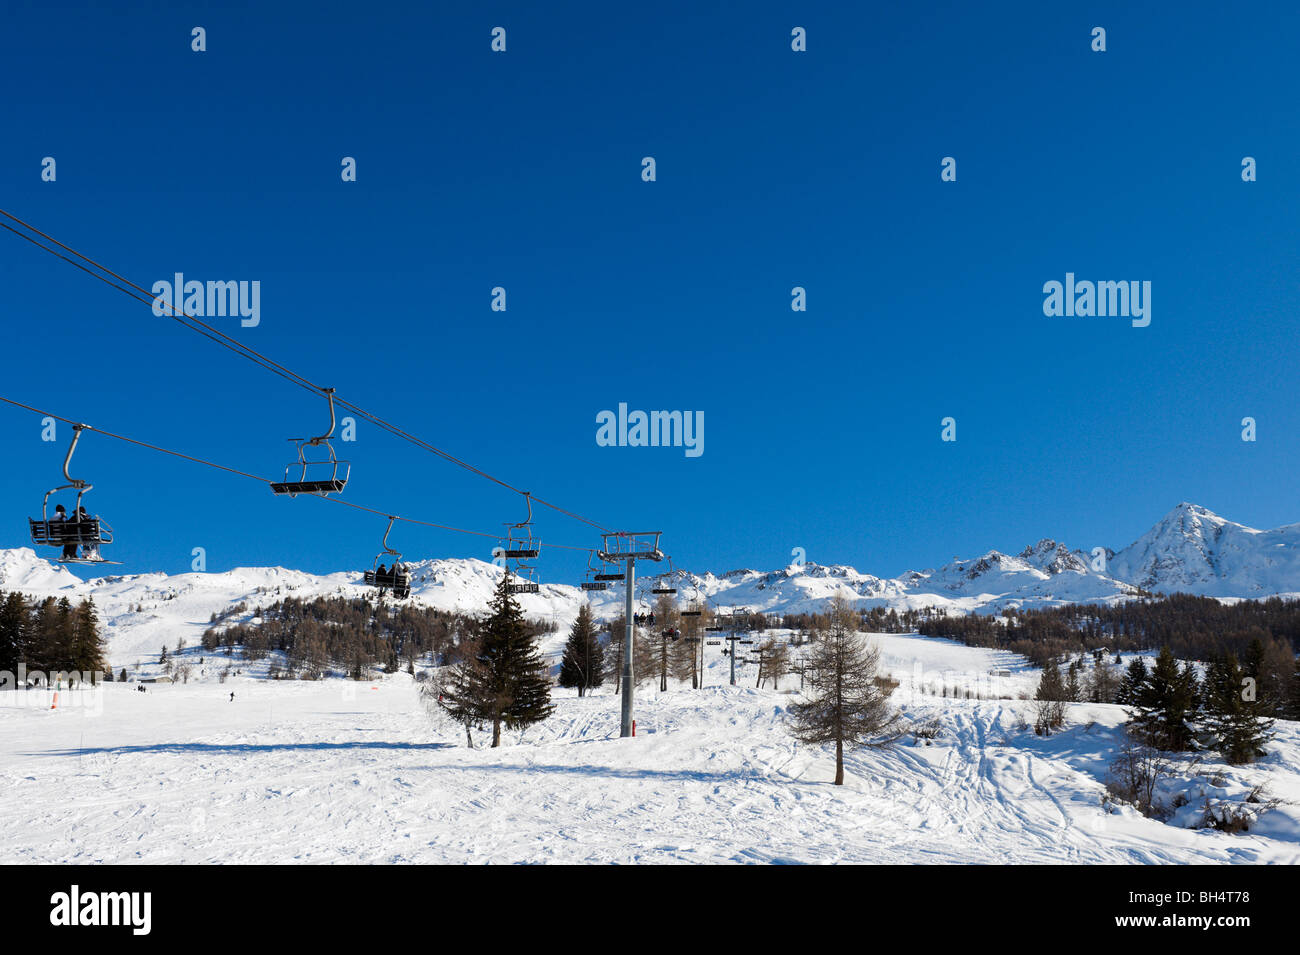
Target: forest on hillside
<point>1194,628</point>
<point>346,634</point>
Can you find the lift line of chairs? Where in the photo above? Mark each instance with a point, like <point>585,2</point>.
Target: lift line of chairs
<point>81,535</point>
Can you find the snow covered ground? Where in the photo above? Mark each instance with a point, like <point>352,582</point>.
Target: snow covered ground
<point>337,771</point>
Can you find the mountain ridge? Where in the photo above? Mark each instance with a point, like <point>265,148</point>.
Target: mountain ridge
<point>1191,549</point>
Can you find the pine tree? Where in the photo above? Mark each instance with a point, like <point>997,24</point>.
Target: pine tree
<point>1049,700</point>
<point>1073,686</point>
<point>1235,725</point>
<point>87,643</point>
<point>583,665</point>
<point>847,706</point>
<point>1103,682</point>
<point>505,682</point>
<point>1293,696</point>
<point>43,637</point>
<point>1166,705</point>
<point>15,632</point>
<point>1135,677</point>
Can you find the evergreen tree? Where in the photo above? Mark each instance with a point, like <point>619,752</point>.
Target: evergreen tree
<point>87,643</point>
<point>44,637</point>
<point>1293,696</point>
<point>1235,724</point>
<point>1050,699</point>
<point>505,681</point>
<point>1104,682</point>
<point>1130,687</point>
<point>847,705</point>
<point>1073,685</point>
<point>1166,705</point>
<point>15,632</point>
<point>583,665</point>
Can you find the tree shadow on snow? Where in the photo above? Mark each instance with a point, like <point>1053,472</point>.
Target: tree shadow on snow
<point>234,748</point>
<point>615,772</point>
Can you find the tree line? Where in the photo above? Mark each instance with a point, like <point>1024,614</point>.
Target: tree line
<point>353,635</point>
<point>1193,627</point>
<point>51,636</point>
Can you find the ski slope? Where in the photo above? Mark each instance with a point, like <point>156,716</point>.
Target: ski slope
<point>336,771</point>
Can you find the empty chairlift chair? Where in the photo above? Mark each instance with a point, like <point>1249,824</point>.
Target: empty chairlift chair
<point>323,477</point>
<point>591,580</point>
<point>519,546</point>
<point>662,587</point>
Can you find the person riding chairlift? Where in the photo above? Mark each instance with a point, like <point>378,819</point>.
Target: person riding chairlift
<point>69,549</point>
<point>89,550</point>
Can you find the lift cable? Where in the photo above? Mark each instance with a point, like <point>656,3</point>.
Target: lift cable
<point>254,477</point>
<point>189,321</point>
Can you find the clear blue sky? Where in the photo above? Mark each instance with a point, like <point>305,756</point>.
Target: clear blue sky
<point>775,169</point>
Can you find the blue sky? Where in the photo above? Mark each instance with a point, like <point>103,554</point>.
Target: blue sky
<point>775,169</point>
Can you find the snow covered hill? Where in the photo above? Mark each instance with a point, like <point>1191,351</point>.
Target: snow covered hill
<point>1189,550</point>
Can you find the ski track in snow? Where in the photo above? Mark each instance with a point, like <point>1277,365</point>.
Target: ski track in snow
<point>340,772</point>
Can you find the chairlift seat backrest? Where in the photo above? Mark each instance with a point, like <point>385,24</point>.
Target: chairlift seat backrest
<point>60,533</point>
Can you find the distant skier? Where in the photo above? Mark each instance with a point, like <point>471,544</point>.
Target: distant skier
<point>232,696</point>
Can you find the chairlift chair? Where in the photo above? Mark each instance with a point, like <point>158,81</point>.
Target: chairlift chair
<point>696,610</point>
<point>323,477</point>
<point>528,586</point>
<point>520,545</point>
<point>591,581</point>
<point>398,581</point>
<point>661,588</point>
<point>83,535</point>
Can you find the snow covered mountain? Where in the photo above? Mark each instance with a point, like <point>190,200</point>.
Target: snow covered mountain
<point>1190,550</point>
<point>1193,550</point>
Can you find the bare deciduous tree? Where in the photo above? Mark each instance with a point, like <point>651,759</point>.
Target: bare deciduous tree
<point>847,704</point>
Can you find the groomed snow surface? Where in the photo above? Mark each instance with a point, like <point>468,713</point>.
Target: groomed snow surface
<point>337,771</point>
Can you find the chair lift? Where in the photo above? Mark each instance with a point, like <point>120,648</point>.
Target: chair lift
<point>394,579</point>
<point>662,588</point>
<point>71,533</point>
<point>696,610</point>
<point>520,545</point>
<point>612,575</point>
<point>318,483</point>
<point>593,581</point>
<point>647,616</point>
